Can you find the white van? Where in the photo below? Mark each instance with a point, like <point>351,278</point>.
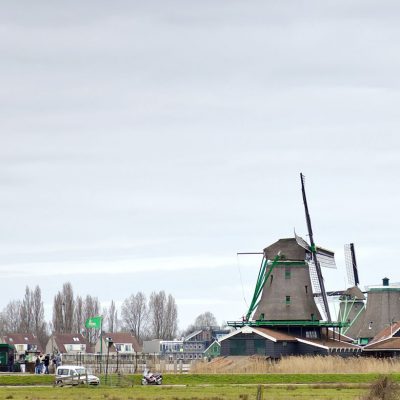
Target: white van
<point>74,375</point>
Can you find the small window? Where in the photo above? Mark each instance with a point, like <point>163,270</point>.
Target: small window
<point>287,273</point>
<point>287,300</point>
<point>306,287</point>
<point>311,335</point>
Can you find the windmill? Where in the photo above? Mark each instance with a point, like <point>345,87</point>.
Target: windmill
<point>352,300</point>
<point>290,282</point>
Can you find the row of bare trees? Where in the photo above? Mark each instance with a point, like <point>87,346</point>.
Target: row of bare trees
<point>26,316</point>
<point>156,317</point>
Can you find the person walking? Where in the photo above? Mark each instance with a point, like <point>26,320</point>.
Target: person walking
<point>37,365</point>
<point>46,362</point>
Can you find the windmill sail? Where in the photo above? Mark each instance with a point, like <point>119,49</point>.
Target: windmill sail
<point>314,252</point>
<point>326,258</point>
<point>351,264</point>
<point>316,287</point>
<point>301,242</point>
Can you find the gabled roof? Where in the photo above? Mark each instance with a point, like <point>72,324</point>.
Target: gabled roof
<point>385,333</point>
<point>275,336</point>
<point>22,338</point>
<point>330,344</point>
<point>123,338</point>
<point>212,344</point>
<point>61,339</point>
<point>269,334</point>
<point>389,344</point>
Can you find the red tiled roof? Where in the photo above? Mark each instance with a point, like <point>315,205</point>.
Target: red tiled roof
<point>330,344</point>
<point>385,344</point>
<point>386,333</point>
<point>22,338</point>
<point>68,338</point>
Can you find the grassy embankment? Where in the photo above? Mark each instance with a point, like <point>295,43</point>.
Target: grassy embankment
<point>292,378</point>
<point>217,392</point>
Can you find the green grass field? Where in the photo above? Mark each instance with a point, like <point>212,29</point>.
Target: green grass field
<point>211,379</point>
<point>213,392</point>
<point>196,387</point>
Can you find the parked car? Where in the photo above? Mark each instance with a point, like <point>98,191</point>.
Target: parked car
<point>74,375</point>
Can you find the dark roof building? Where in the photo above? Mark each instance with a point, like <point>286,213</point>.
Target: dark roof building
<point>275,344</point>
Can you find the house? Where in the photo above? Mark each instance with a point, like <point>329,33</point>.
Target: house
<point>275,343</point>
<point>213,350</point>
<point>169,349</point>
<point>122,343</point>
<point>68,343</point>
<point>192,347</point>
<point>386,343</point>
<point>25,344</point>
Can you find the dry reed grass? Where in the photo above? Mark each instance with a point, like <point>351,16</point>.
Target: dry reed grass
<point>297,365</point>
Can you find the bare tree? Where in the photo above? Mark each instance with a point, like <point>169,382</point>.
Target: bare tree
<point>134,314</point>
<point>12,316</point>
<point>26,312</point>
<point>91,308</point>
<point>171,318</point>
<point>112,317</point>
<point>39,324</point>
<point>207,319</point>
<point>58,314</point>
<point>3,323</point>
<point>78,316</point>
<point>68,306</point>
<point>63,310</point>
<point>163,315</point>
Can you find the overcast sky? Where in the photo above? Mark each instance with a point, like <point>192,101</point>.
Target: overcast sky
<point>143,144</point>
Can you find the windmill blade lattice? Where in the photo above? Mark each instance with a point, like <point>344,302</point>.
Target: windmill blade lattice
<point>351,264</point>
<point>316,287</point>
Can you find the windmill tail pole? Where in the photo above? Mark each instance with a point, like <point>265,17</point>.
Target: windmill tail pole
<point>314,251</point>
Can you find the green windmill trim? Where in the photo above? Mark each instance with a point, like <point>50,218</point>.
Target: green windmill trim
<point>291,263</point>
<point>263,276</point>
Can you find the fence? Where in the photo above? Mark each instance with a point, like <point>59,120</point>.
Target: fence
<point>126,363</point>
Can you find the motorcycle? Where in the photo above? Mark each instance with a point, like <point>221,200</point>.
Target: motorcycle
<point>150,378</point>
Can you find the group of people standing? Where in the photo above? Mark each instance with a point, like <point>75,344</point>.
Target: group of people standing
<point>43,361</point>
